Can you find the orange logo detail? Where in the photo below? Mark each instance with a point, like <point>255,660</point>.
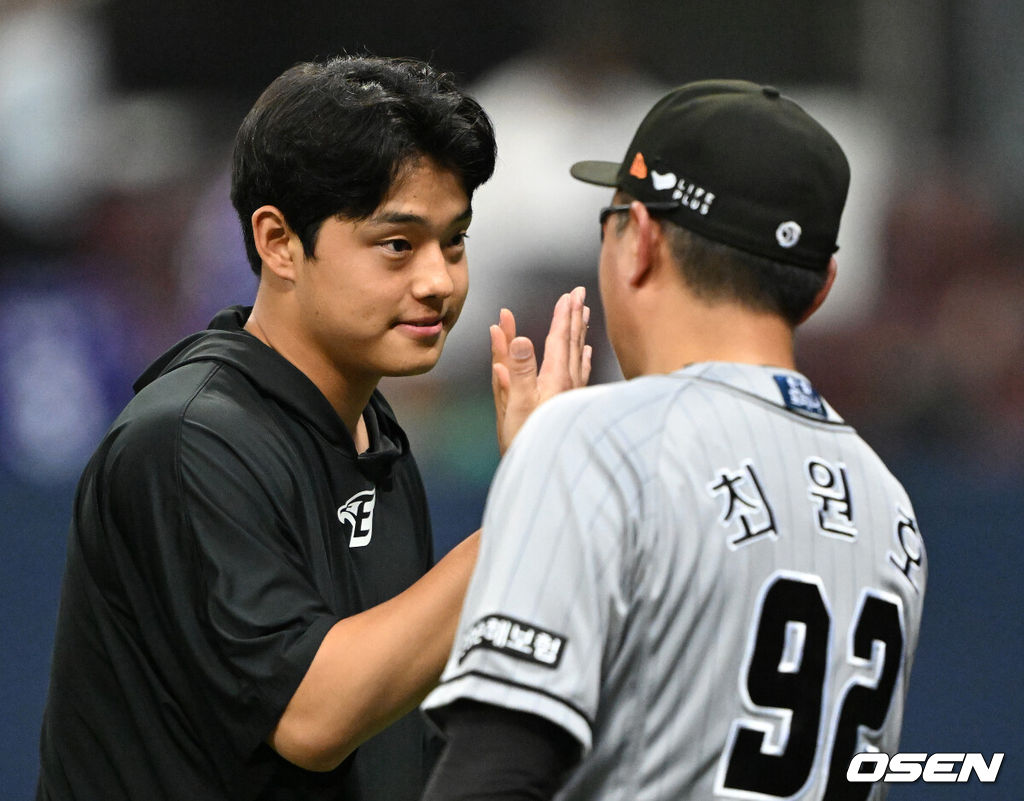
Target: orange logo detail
<point>638,169</point>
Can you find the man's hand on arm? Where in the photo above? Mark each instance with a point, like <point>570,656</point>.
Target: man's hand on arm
<point>518,386</point>
<point>374,667</point>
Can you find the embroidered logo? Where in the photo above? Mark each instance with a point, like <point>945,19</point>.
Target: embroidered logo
<point>693,197</point>
<point>687,193</point>
<point>638,169</point>
<point>788,234</point>
<point>800,396</point>
<point>357,515</point>
<point>663,182</point>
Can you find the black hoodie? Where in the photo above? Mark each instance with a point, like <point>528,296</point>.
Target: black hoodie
<point>223,525</point>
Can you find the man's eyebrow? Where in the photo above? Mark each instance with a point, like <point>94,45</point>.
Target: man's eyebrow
<point>400,217</point>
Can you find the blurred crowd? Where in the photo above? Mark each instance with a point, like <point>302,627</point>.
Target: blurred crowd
<point>120,238</point>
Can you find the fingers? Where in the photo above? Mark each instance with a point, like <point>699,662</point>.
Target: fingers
<point>499,374</point>
<point>501,335</point>
<point>585,352</point>
<point>499,345</point>
<point>564,347</point>
<point>517,384</point>
<point>555,370</point>
<point>499,386</point>
<point>578,316</point>
<point>579,322</point>
<point>507,324</point>
<point>521,396</point>
<point>522,363</point>
<point>582,353</point>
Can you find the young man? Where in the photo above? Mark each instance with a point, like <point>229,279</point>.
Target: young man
<point>698,583</point>
<point>249,609</point>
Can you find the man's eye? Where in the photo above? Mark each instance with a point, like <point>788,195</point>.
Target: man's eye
<point>397,245</point>
<point>459,239</point>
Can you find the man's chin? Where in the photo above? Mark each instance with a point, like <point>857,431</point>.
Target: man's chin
<point>417,360</point>
<point>410,371</point>
<point>419,367</point>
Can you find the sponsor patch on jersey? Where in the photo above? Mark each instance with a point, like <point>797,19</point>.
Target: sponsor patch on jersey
<point>514,638</point>
<point>800,396</point>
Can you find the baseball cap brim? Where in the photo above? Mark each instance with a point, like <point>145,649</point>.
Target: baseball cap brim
<point>602,173</point>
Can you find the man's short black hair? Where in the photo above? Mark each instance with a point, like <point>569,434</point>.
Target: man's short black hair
<point>330,137</point>
<point>716,272</point>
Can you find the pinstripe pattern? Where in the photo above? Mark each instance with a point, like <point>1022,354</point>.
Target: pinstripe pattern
<point>641,525</point>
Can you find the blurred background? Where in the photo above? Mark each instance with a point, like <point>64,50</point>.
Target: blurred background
<point>117,238</point>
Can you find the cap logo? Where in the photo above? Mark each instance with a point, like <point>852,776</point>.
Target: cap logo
<point>638,169</point>
<point>693,197</point>
<point>788,234</point>
<point>663,182</point>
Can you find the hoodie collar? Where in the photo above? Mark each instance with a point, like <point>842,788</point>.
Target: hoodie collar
<point>226,342</point>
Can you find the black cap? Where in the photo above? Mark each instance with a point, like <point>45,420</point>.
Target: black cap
<point>747,166</point>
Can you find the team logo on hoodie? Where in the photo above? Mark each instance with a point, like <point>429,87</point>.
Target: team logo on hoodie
<point>356,514</point>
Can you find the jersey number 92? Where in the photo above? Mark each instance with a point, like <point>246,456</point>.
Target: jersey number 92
<point>786,678</point>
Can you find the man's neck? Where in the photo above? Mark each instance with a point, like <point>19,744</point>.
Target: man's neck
<point>348,397</point>
<point>671,338</point>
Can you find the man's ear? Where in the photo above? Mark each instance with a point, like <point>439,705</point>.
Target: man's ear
<point>822,293</point>
<point>274,241</point>
<point>645,244</point>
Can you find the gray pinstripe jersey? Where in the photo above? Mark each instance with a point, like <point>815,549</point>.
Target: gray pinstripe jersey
<point>707,578</point>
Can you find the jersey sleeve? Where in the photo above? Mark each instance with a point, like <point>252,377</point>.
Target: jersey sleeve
<point>551,588</point>
<point>216,571</point>
<point>498,753</point>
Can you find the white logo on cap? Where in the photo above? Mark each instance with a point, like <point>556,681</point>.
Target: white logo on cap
<point>662,182</point>
<point>788,234</point>
<point>693,197</point>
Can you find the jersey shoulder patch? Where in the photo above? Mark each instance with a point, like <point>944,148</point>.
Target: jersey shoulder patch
<point>799,396</point>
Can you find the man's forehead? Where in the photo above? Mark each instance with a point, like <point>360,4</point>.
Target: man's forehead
<point>394,216</point>
<point>424,193</point>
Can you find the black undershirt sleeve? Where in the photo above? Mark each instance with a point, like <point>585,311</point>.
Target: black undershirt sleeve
<point>499,754</point>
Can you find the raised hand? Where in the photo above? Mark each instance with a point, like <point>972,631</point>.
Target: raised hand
<point>518,386</point>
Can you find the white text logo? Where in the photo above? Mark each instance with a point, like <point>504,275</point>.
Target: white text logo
<point>357,512</point>
<point>878,767</point>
